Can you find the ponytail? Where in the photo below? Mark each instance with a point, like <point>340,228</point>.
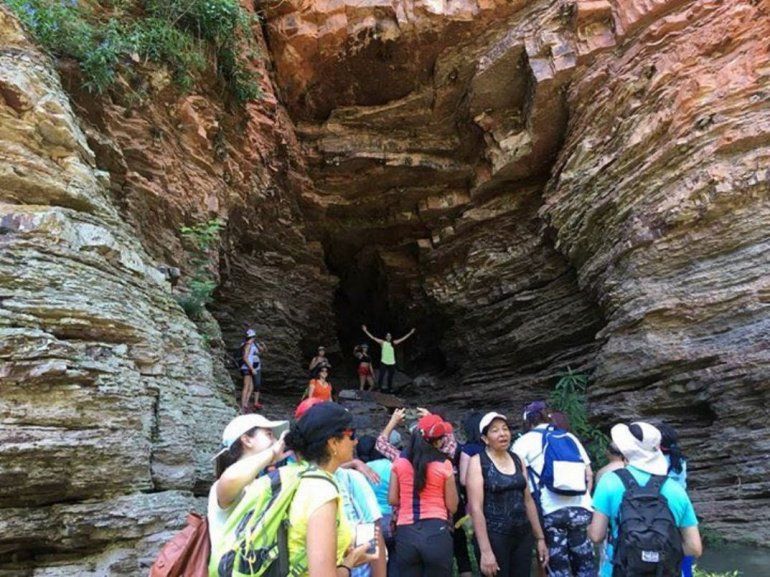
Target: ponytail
<point>420,454</point>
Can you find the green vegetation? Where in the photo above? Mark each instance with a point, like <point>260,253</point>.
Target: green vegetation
<point>712,538</point>
<point>569,397</point>
<point>112,39</point>
<point>201,286</point>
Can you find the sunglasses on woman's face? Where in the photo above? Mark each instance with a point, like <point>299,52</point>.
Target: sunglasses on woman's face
<point>350,433</point>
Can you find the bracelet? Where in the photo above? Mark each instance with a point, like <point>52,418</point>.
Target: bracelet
<point>343,566</point>
<point>539,538</point>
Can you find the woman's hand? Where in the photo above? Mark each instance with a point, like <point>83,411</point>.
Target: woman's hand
<point>358,556</point>
<point>398,417</point>
<point>421,412</point>
<point>279,448</point>
<point>488,564</point>
<point>542,552</point>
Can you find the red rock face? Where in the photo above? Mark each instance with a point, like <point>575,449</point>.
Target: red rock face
<point>178,160</point>
<point>540,185</point>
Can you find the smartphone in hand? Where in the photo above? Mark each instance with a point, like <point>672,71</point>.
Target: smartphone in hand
<point>365,535</point>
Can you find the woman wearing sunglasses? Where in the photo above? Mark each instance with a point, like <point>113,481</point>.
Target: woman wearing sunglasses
<point>324,437</point>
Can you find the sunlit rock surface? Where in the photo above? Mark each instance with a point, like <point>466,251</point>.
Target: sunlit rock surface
<point>536,185</point>
<point>531,185</point>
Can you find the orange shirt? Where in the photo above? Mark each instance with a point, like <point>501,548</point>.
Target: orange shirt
<point>321,390</point>
<point>430,503</point>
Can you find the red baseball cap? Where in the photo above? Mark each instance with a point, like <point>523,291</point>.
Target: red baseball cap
<point>433,427</point>
<point>303,407</point>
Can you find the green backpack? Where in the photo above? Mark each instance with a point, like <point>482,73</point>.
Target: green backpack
<point>255,542</point>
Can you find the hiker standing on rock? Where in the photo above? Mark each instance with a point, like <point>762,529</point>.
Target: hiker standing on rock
<point>388,359</point>
<point>251,369</point>
<point>365,370</point>
<point>319,361</point>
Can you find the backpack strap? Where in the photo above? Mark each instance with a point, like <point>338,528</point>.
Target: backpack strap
<point>628,480</point>
<point>656,482</point>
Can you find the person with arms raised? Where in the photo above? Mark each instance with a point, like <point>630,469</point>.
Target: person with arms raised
<point>388,358</point>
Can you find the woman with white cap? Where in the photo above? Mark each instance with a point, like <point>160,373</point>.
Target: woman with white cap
<point>501,506</point>
<point>249,445</point>
<point>640,445</point>
<point>251,369</point>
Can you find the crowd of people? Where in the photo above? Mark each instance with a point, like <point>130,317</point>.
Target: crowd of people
<point>529,498</point>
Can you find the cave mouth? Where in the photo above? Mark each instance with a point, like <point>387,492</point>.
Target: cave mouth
<point>367,295</point>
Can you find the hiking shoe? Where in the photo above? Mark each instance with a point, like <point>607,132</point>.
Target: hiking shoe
<point>257,406</point>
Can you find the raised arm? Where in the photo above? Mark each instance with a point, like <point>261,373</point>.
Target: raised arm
<point>402,339</point>
<point>238,475</point>
<point>383,445</point>
<point>371,336</point>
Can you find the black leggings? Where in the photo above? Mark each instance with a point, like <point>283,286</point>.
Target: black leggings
<point>391,372</point>
<point>424,549</point>
<point>512,552</point>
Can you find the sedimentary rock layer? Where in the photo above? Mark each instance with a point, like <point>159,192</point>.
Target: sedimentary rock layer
<point>661,199</point>
<point>109,390</point>
<point>543,184</point>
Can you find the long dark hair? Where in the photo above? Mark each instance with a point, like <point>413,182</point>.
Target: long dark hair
<point>233,454</point>
<point>669,444</point>
<point>420,454</point>
<point>471,427</point>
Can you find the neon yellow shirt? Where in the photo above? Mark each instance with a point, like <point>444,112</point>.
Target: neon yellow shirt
<point>310,495</point>
<point>388,354</point>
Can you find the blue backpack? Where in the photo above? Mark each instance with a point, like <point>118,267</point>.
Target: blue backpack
<point>564,471</point>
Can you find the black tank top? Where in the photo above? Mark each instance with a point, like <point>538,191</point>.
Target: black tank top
<point>364,358</point>
<point>503,497</point>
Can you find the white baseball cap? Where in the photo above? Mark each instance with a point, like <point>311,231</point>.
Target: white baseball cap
<point>244,423</point>
<point>251,333</point>
<point>487,419</point>
<point>640,445</point>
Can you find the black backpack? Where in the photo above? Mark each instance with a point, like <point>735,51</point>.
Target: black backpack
<point>649,543</point>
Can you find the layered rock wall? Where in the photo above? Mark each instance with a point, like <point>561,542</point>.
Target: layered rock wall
<point>555,183</point>
<point>104,433</point>
<point>113,401</point>
<point>661,199</point>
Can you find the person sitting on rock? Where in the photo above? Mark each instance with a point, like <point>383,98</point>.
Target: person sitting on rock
<point>251,369</point>
<point>365,371</point>
<point>320,360</point>
<point>319,387</point>
<point>388,358</point>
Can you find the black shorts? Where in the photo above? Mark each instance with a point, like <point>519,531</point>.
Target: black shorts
<point>256,378</point>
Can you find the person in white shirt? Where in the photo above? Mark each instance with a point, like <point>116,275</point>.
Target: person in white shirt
<point>249,445</point>
<point>565,517</point>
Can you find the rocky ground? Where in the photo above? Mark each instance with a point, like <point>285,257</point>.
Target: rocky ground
<point>531,185</point>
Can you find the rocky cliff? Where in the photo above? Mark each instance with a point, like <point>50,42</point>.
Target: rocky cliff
<point>531,185</point>
<point>113,401</point>
<point>553,183</point>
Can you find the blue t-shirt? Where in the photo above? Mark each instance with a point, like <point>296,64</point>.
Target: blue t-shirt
<point>609,494</point>
<point>360,506</point>
<point>382,467</point>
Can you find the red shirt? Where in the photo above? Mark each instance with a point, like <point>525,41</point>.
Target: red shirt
<point>321,390</point>
<point>431,503</point>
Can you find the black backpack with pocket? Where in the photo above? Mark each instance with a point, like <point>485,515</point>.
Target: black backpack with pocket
<point>648,543</point>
